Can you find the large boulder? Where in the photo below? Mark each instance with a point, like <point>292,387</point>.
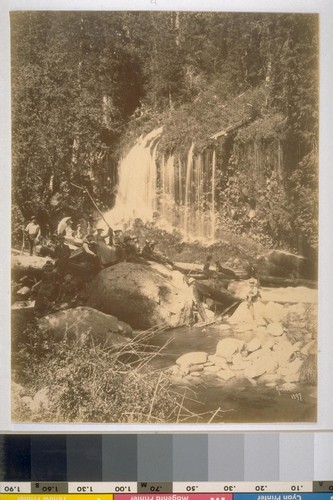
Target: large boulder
<point>142,295</point>
<point>285,265</point>
<point>83,323</point>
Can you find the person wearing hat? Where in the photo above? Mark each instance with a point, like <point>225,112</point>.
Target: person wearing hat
<point>108,233</point>
<point>32,232</point>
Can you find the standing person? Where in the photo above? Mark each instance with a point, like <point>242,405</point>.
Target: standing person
<point>32,231</point>
<point>253,295</point>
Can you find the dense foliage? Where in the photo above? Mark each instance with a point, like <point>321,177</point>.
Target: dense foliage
<point>85,83</point>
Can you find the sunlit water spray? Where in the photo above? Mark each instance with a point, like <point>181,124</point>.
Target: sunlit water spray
<point>181,192</point>
<point>136,195</point>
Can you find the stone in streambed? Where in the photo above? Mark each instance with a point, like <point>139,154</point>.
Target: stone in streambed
<point>291,371</point>
<point>241,315</point>
<point>283,351</point>
<point>275,329</point>
<point>191,358</point>
<point>227,347</point>
<point>253,345</point>
<point>218,361</point>
<point>274,312</point>
<point>263,364</point>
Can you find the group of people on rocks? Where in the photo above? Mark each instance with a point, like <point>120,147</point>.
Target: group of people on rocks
<point>78,253</point>
<point>92,248</point>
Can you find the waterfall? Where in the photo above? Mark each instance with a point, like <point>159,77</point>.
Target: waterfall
<point>213,213</point>
<point>182,192</point>
<point>168,189</point>
<point>136,196</point>
<point>188,189</point>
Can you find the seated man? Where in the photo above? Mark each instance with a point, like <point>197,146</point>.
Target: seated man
<point>130,249</point>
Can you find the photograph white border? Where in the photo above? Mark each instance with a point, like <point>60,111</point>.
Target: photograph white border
<point>325,336</point>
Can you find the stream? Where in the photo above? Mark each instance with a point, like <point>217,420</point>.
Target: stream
<point>239,401</point>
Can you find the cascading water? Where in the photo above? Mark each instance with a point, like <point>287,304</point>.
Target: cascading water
<point>213,214</point>
<point>136,196</point>
<point>182,192</point>
<point>188,190</point>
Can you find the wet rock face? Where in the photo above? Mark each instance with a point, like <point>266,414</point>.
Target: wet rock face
<point>142,295</point>
<point>84,323</point>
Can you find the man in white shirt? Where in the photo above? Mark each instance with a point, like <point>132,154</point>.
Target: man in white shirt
<point>33,232</point>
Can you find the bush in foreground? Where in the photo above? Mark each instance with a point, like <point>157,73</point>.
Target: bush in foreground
<point>74,382</point>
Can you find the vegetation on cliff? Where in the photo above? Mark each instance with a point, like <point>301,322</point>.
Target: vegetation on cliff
<point>85,84</point>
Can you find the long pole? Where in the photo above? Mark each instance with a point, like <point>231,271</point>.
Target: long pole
<point>85,190</point>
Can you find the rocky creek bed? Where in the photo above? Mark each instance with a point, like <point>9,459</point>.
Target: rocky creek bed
<point>257,364</point>
<point>260,369</point>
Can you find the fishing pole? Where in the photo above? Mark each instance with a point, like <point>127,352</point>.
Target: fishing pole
<point>85,190</point>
